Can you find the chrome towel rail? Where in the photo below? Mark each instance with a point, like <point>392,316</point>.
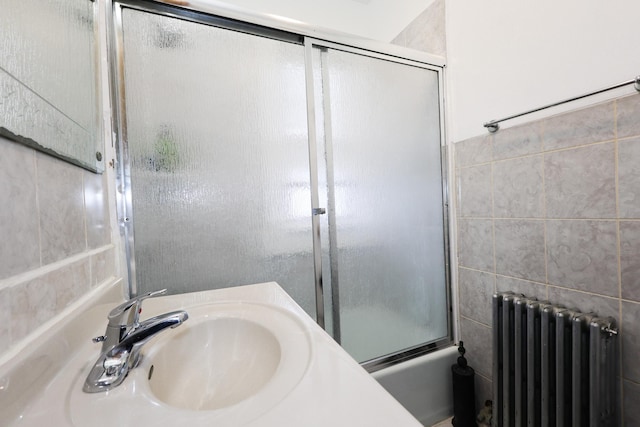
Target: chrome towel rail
<point>493,125</point>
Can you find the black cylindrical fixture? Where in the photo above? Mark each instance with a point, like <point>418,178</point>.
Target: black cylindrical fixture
<point>464,398</point>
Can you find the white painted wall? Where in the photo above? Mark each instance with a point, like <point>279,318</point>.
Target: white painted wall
<point>380,20</point>
<point>505,56</point>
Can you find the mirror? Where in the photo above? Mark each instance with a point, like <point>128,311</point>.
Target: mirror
<point>48,78</point>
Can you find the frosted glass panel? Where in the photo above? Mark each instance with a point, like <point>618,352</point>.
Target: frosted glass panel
<point>383,146</point>
<point>217,142</point>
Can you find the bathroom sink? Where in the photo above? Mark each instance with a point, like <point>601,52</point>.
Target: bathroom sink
<point>223,358</point>
<point>248,356</point>
<point>229,364</point>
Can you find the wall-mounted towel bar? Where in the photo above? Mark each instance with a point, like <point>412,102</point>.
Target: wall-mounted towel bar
<point>493,125</point>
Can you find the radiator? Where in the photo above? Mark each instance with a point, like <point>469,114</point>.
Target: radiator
<point>552,366</point>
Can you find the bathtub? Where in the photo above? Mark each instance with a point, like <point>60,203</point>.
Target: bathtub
<point>423,385</point>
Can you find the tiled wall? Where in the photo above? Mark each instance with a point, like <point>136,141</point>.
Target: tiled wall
<point>551,209</point>
<point>55,238</point>
<point>427,31</point>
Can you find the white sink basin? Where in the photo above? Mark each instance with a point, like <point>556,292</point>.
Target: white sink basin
<point>214,364</point>
<point>227,353</point>
<point>247,356</point>
<point>227,365</point>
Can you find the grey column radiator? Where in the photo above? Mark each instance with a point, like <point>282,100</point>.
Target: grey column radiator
<point>552,366</point>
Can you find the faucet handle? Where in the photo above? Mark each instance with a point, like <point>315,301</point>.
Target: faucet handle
<point>127,313</point>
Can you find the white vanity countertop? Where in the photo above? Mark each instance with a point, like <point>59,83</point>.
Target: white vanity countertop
<point>334,390</point>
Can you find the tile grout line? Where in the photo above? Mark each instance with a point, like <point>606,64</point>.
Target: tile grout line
<point>617,199</point>
<point>542,152</point>
<point>493,216</point>
<point>544,211</point>
<point>39,214</point>
<point>547,285</point>
<point>618,251</point>
<point>476,322</point>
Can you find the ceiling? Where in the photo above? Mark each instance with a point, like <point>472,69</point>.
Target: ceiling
<point>374,19</point>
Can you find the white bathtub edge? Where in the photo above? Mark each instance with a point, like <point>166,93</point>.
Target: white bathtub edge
<point>423,385</point>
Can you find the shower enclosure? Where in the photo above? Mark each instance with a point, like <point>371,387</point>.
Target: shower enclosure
<point>250,153</point>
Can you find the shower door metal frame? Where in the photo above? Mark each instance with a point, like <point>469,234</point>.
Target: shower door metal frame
<point>116,50</point>
<point>288,31</point>
<point>409,353</point>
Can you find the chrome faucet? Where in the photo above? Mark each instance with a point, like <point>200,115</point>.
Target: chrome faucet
<point>123,340</point>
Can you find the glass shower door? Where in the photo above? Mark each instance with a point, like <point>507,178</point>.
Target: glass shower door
<point>225,185</point>
<point>380,124</point>
<point>216,134</point>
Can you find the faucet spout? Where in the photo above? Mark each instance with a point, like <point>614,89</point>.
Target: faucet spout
<point>117,360</point>
<point>148,329</point>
